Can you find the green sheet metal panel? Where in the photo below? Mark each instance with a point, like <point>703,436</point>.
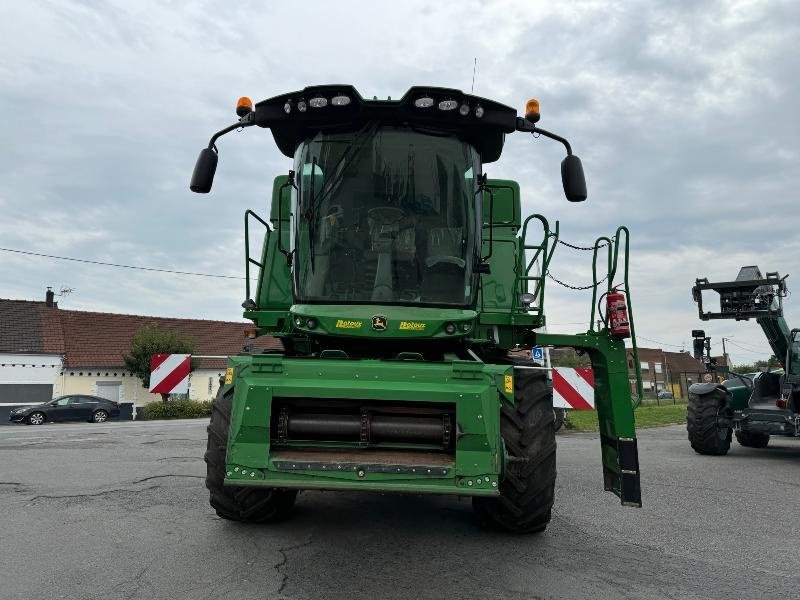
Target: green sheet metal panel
<point>475,389</point>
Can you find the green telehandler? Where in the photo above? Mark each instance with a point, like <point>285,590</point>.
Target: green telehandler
<point>753,405</point>
<point>398,278</point>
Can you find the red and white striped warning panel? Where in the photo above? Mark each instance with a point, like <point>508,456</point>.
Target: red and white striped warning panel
<point>573,388</point>
<point>169,373</point>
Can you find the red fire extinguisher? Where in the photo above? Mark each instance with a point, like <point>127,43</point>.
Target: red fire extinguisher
<point>617,314</point>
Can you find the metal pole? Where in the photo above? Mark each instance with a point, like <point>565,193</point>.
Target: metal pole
<point>655,383</point>
<point>724,353</point>
<point>653,379</point>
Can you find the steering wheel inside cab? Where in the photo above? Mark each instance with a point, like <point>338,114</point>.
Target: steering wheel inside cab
<point>384,226</point>
<point>386,215</point>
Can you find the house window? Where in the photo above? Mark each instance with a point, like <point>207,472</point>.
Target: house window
<point>658,367</point>
<point>644,365</point>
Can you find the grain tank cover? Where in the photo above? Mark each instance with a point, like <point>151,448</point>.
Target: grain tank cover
<point>295,116</point>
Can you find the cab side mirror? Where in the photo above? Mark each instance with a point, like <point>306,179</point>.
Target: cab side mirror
<point>698,345</point>
<point>204,169</point>
<point>573,179</point>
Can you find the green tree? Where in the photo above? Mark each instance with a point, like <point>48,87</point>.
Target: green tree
<point>152,339</point>
<point>757,365</point>
<point>570,358</point>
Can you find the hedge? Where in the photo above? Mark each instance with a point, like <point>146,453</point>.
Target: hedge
<point>174,409</point>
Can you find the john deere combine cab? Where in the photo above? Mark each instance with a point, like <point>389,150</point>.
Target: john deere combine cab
<point>754,405</point>
<point>398,277</point>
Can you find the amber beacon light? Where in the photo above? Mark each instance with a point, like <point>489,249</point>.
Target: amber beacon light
<point>532,110</point>
<point>244,106</point>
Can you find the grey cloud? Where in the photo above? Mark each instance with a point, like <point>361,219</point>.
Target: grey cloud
<point>684,113</point>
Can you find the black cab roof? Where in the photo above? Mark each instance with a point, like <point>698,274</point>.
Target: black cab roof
<point>295,116</point>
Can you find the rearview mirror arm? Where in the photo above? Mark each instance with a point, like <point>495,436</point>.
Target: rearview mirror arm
<point>246,121</point>
<point>525,125</point>
<point>206,165</point>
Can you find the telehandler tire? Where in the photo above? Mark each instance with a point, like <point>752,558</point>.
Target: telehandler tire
<point>559,417</point>
<point>750,439</point>
<point>527,488</point>
<point>248,504</point>
<point>707,422</point>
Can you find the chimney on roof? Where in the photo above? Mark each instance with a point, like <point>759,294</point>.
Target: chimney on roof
<point>49,297</point>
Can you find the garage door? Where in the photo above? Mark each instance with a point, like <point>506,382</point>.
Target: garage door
<point>109,390</point>
<point>20,393</point>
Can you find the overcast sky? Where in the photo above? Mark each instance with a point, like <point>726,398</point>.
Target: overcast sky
<point>685,115</point>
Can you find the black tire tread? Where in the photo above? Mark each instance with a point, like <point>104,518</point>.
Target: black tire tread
<point>527,490</point>
<point>702,426</point>
<point>751,439</point>
<point>559,418</point>
<point>248,504</point>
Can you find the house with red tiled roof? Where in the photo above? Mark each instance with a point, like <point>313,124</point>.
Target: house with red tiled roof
<point>46,351</point>
<point>31,351</point>
<point>663,370</point>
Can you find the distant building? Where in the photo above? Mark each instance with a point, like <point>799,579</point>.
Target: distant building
<point>723,361</point>
<point>662,370</point>
<point>46,352</point>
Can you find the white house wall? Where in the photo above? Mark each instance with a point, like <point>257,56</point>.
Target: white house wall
<point>42,369</point>
<point>203,384</point>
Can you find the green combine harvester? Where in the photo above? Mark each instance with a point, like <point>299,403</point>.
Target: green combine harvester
<point>756,405</point>
<point>398,278</point>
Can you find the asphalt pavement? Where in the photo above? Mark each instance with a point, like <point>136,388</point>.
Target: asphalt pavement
<point>120,510</point>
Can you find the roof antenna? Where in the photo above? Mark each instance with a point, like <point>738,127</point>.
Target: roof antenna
<point>474,68</point>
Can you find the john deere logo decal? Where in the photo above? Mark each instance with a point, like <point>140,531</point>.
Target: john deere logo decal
<point>379,323</point>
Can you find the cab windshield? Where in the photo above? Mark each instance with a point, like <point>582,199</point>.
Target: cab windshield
<point>385,215</point>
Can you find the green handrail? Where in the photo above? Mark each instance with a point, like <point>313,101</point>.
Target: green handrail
<point>612,254</point>
<point>247,260</point>
<point>595,282</point>
<point>545,251</point>
<point>612,245</point>
<point>622,229</point>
